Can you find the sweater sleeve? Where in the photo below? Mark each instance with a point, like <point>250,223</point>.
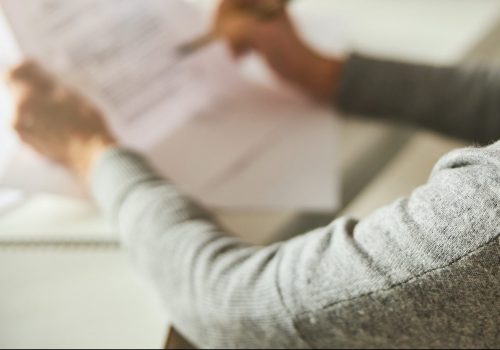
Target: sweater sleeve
<point>462,102</point>
<point>222,292</point>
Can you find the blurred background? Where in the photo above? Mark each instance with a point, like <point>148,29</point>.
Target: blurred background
<point>68,294</point>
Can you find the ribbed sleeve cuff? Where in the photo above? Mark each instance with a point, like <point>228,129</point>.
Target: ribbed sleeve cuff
<point>115,172</point>
<point>356,73</point>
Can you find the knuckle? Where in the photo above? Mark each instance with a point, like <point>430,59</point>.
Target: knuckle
<point>17,120</point>
<point>17,126</point>
<point>31,75</point>
<point>21,71</point>
<point>25,67</point>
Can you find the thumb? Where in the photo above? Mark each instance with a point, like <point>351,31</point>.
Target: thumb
<point>237,31</point>
<point>30,75</point>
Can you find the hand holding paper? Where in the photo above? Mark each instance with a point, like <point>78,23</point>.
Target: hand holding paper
<point>55,121</point>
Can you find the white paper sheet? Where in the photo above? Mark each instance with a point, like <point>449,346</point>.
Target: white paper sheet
<point>226,141</point>
<point>277,151</point>
<point>296,169</point>
<point>121,53</point>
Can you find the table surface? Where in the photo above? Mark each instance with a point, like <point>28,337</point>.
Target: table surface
<point>61,295</point>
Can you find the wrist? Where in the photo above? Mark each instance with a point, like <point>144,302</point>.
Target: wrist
<point>83,154</point>
<point>323,78</point>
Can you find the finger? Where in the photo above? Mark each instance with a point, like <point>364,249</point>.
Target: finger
<point>27,136</point>
<point>25,97</point>
<point>23,120</point>
<point>23,134</point>
<point>263,9</point>
<point>256,4</point>
<point>237,30</point>
<point>29,73</point>
<point>226,6</point>
<point>265,35</point>
<point>28,107</point>
<point>19,92</point>
<point>31,139</point>
<point>238,50</point>
<point>24,125</point>
<point>23,70</point>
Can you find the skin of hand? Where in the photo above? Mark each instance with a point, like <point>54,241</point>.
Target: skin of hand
<point>277,41</point>
<point>55,121</point>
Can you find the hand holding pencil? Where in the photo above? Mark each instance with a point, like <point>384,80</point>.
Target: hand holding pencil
<point>234,19</point>
<point>264,27</point>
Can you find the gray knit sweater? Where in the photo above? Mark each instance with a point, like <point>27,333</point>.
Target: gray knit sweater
<point>421,272</point>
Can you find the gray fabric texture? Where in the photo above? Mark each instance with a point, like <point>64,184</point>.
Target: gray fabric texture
<point>421,272</point>
<point>461,102</point>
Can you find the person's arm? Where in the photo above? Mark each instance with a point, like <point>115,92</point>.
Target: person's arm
<point>317,290</point>
<point>458,101</point>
